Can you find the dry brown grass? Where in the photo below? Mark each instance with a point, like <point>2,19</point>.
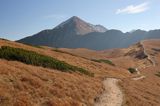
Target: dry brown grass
<point>144,92</point>
<point>22,85</point>
<point>26,85</point>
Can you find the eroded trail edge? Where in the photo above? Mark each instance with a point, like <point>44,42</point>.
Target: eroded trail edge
<point>112,95</point>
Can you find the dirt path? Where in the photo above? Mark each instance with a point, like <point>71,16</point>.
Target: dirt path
<point>139,78</point>
<point>112,96</point>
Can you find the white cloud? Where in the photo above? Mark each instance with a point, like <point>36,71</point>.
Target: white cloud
<point>131,9</point>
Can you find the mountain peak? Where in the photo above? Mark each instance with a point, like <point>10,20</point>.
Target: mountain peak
<point>75,18</point>
<point>80,26</point>
<point>71,20</point>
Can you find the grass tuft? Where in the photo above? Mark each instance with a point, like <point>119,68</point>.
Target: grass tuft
<point>132,70</point>
<point>104,61</point>
<point>60,51</point>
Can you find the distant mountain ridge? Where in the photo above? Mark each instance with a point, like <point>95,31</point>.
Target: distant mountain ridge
<point>76,33</point>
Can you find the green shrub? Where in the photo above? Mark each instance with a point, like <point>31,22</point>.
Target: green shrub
<point>96,60</point>
<point>33,58</point>
<point>104,61</point>
<point>132,70</point>
<point>60,51</point>
<point>108,62</point>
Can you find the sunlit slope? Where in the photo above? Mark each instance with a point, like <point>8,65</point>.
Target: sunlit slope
<point>25,84</point>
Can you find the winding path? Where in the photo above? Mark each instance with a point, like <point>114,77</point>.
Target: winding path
<point>112,96</point>
<point>149,59</point>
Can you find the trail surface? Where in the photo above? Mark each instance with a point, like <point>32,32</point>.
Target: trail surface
<point>112,96</point>
<point>138,78</point>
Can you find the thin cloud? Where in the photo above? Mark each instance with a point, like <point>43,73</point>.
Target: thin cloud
<point>131,9</point>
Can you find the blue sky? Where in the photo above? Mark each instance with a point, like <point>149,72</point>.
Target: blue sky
<point>21,18</point>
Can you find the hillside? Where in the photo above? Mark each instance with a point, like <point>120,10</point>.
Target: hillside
<point>144,57</point>
<point>147,89</point>
<point>76,33</point>
<point>24,84</point>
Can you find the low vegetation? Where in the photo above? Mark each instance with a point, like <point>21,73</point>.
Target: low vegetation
<point>34,45</point>
<point>158,74</point>
<point>132,70</point>
<point>104,61</point>
<point>33,58</point>
<point>60,51</point>
<point>37,46</point>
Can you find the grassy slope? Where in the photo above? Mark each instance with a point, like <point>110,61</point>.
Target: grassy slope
<point>33,58</point>
<point>23,84</point>
<point>143,92</point>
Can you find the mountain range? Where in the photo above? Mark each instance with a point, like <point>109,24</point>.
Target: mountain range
<point>76,33</point>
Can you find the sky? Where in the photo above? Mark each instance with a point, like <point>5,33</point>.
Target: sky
<point>22,18</point>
